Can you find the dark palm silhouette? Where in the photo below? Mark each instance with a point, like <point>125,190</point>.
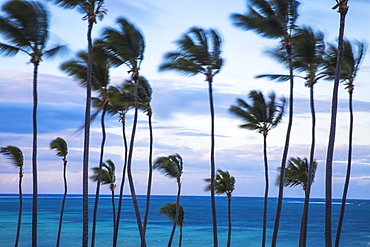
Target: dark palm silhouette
<point>262,116</point>
<point>60,145</point>
<point>274,19</point>
<point>25,25</point>
<point>199,52</point>
<point>126,46</point>
<point>224,184</point>
<point>169,210</point>
<point>16,157</point>
<point>171,166</point>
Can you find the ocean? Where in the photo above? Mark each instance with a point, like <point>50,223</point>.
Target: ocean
<point>197,230</point>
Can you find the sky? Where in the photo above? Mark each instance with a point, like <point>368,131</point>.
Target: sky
<point>181,119</point>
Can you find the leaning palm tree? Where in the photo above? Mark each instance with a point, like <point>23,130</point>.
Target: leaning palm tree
<point>77,68</point>
<point>93,10</point>
<point>224,184</point>
<point>353,54</point>
<point>60,145</point>
<point>126,45</point>
<point>107,174</point>
<point>171,166</point>
<point>199,52</point>
<point>25,25</point>
<point>342,6</point>
<point>309,51</point>
<point>274,19</point>
<point>262,116</point>
<point>297,173</point>
<point>169,210</point>
<point>16,157</point>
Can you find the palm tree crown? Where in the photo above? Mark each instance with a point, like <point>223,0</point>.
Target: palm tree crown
<point>171,166</point>
<point>108,174</point>
<point>60,145</point>
<point>14,154</point>
<point>224,183</point>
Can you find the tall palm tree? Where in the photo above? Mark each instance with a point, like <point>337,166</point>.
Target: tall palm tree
<point>60,145</point>
<point>297,173</point>
<point>77,68</point>
<point>93,10</point>
<point>107,174</point>
<point>274,19</point>
<point>199,52</point>
<point>25,25</point>
<point>353,54</point>
<point>169,210</point>
<point>342,6</point>
<point>171,166</point>
<point>126,45</point>
<point>224,184</point>
<point>309,51</point>
<point>16,157</point>
<point>263,116</point>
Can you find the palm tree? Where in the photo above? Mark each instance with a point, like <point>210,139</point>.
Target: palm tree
<point>107,174</point>
<point>224,184</point>
<point>199,53</point>
<point>169,210</point>
<point>274,19</point>
<point>77,68</point>
<point>309,51</point>
<point>262,116</point>
<point>352,58</point>
<point>60,145</point>
<point>297,173</point>
<point>171,166</point>
<point>93,10</point>
<point>342,9</point>
<point>126,46</point>
<point>16,157</point>
<point>25,26</point>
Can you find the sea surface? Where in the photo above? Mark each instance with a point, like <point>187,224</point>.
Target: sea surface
<point>197,231</point>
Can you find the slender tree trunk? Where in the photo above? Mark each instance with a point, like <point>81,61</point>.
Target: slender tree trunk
<point>150,175</point>
<point>20,207</point>
<point>85,165</point>
<point>122,183</point>
<point>176,213</point>
<point>129,166</point>
<point>34,157</point>
<point>264,227</point>
<point>98,182</point>
<point>304,222</point>
<point>348,174</point>
<point>63,200</point>
<point>213,169</point>
<point>113,209</point>
<point>333,123</point>
<point>229,220</point>
<point>285,152</point>
<point>180,238</point>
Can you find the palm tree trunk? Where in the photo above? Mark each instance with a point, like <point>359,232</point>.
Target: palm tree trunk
<point>113,209</point>
<point>266,191</point>
<point>20,207</point>
<point>304,222</point>
<point>213,169</point>
<point>229,220</point>
<point>180,238</point>
<point>34,157</point>
<point>348,175</point>
<point>63,200</point>
<point>129,168</point>
<point>98,182</point>
<point>150,175</point>
<point>330,152</point>
<point>122,183</point>
<point>176,213</point>
<point>285,152</point>
<point>85,165</point>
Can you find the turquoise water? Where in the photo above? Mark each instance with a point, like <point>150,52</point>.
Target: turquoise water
<point>246,220</point>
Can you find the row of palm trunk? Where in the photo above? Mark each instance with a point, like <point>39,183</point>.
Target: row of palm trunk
<point>198,52</point>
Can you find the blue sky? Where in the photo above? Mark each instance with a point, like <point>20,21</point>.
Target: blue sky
<point>181,118</point>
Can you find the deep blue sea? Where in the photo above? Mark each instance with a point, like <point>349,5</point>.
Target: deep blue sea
<point>246,221</point>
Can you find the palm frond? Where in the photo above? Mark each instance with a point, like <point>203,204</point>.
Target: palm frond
<point>14,154</point>
<point>60,145</point>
